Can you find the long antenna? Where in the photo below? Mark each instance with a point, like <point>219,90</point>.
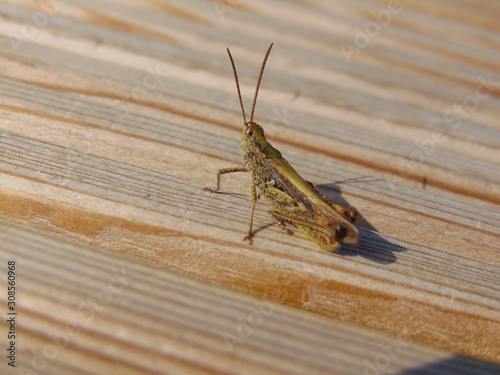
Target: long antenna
<point>260,79</point>
<point>237,86</point>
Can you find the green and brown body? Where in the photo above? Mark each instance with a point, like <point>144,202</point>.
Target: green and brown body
<point>293,200</point>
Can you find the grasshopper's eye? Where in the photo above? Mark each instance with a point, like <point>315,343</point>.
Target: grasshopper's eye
<point>249,131</point>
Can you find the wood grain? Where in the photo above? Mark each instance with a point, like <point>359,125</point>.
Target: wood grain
<point>115,116</point>
<point>87,311</point>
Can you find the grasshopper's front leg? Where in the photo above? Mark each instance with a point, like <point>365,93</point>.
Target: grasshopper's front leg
<point>254,202</point>
<point>254,194</point>
<point>224,171</point>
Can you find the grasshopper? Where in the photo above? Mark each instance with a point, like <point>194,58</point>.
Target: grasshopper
<point>293,200</point>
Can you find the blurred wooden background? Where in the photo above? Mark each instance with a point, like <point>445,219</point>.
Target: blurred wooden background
<point>116,114</point>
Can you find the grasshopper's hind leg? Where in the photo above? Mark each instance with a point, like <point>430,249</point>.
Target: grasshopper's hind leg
<point>281,222</point>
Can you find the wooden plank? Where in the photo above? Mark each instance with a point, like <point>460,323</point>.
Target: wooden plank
<point>77,315</point>
<point>99,200</point>
<point>116,115</point>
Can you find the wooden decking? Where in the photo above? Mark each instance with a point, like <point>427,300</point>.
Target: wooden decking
<point>115,115</point>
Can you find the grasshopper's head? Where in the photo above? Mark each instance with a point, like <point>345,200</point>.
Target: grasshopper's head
<point>253,130</point>
<point>254,140</point>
